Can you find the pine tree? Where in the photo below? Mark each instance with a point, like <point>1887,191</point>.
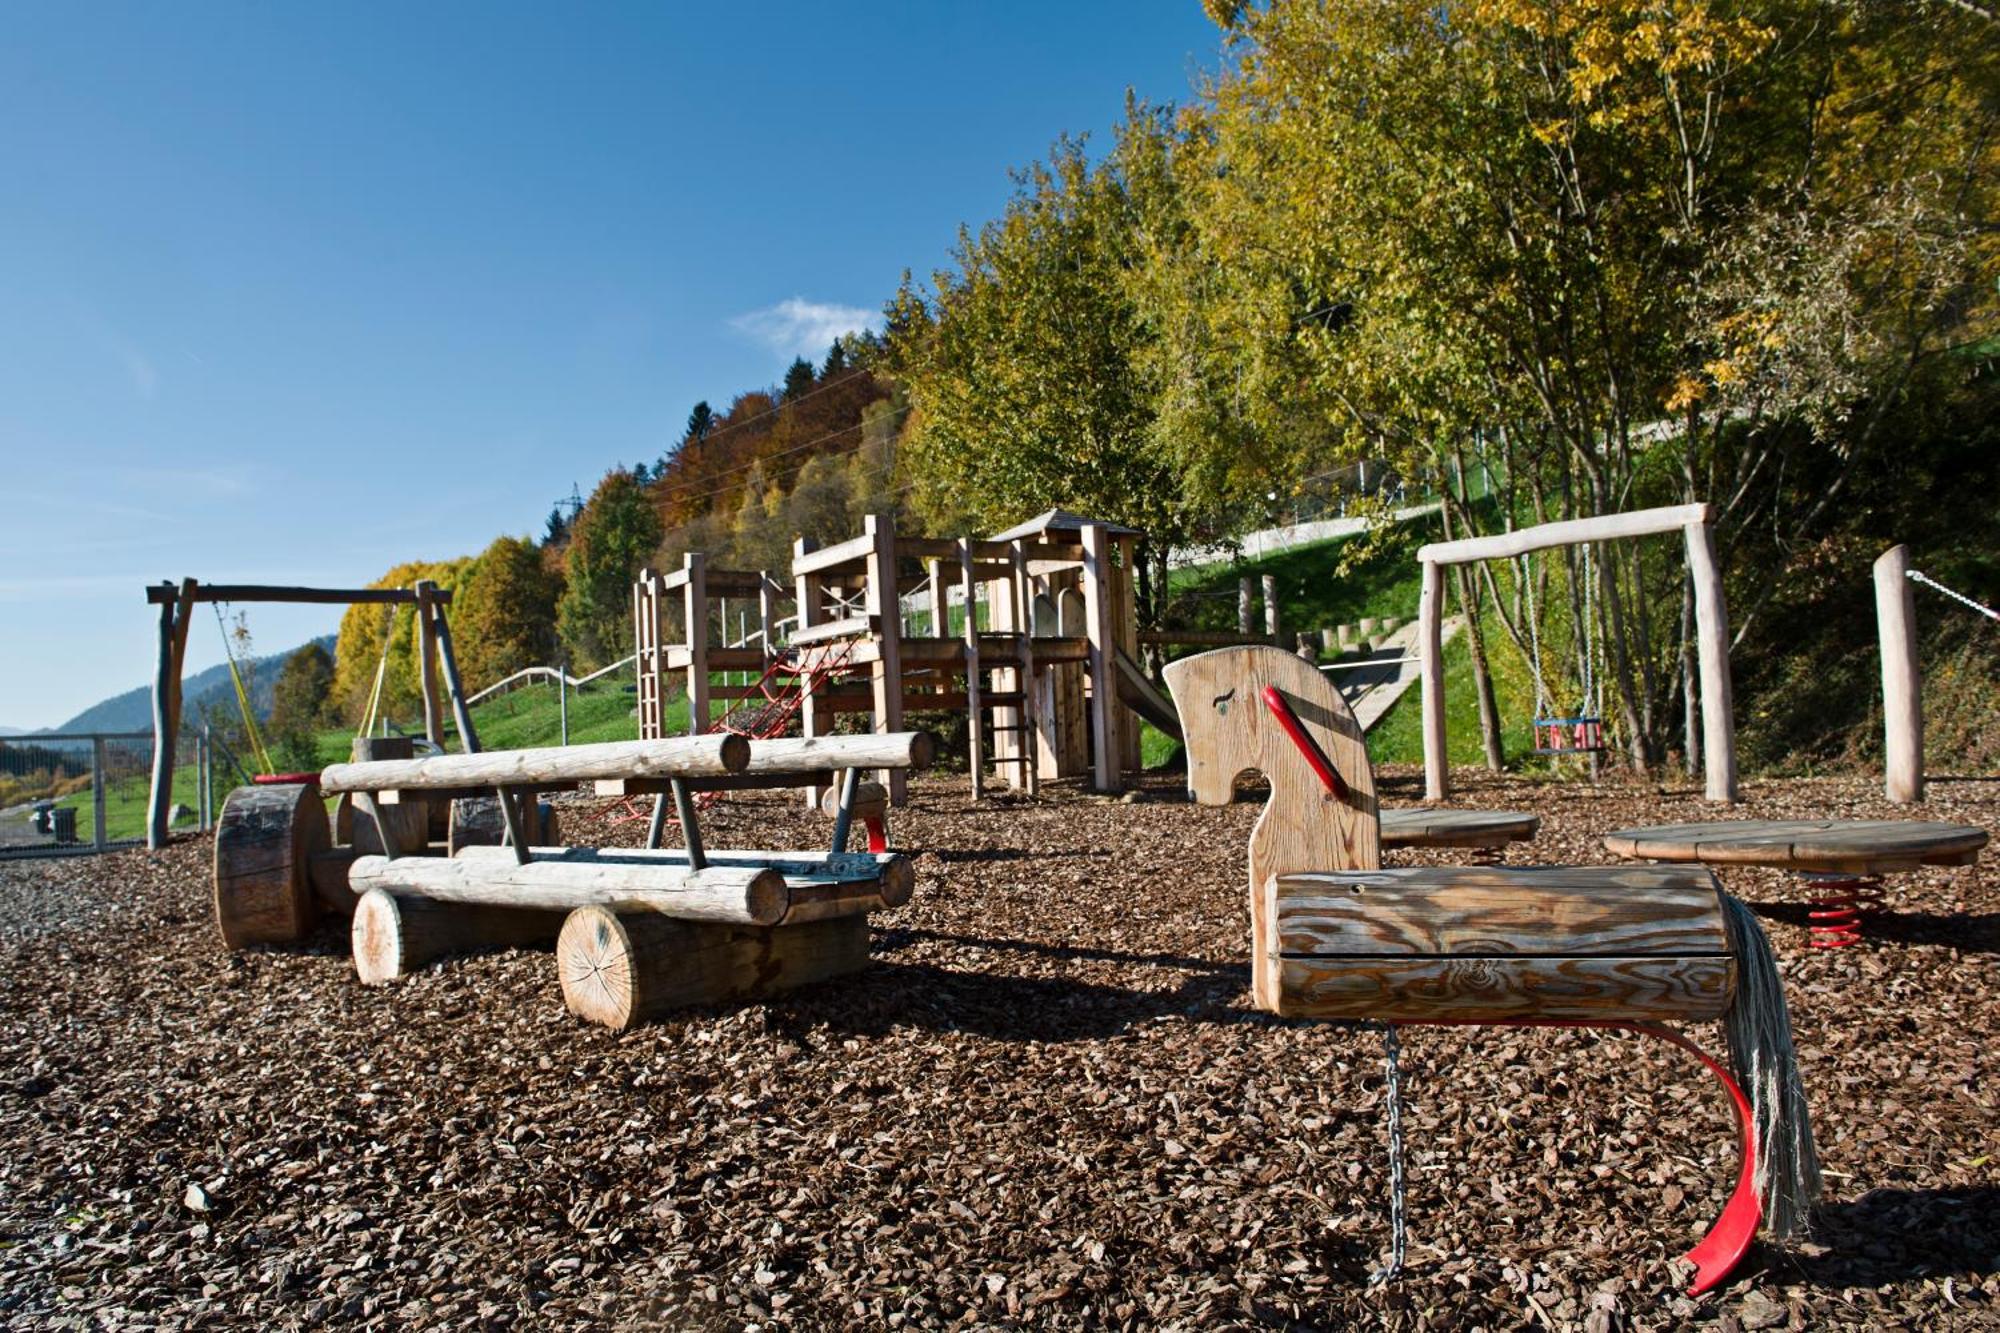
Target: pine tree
<point>798,380</point>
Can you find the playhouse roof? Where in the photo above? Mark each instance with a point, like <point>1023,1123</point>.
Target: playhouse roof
<point>1059,520</point>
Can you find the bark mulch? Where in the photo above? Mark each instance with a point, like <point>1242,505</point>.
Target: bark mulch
<point>1046,1103</point>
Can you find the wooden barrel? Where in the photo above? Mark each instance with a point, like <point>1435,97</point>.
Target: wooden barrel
<point>476,821</point>
<point>1477,944</point>
<point>264,844</point>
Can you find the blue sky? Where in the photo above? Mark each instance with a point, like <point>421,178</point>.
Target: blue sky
<point>293,293</point>
<point>290,293</point>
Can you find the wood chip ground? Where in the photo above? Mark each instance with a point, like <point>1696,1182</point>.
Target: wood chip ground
<point>1045,1104</point>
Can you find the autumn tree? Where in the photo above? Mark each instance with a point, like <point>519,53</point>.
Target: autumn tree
<point>613,537</point>
<point>504,618</point>
<point>299,707</point>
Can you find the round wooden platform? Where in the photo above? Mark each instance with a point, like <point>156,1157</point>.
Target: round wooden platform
<point>1852,846</point>
<point>1415,826</point>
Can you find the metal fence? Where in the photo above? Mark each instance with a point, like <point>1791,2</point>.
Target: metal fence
<point>68,793</point>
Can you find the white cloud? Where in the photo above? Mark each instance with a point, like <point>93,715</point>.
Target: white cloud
<point>798,327</point>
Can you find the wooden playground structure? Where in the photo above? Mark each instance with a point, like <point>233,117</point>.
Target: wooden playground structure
<point>1032,634</point>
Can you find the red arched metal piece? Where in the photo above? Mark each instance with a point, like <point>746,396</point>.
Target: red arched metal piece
<point>878,833</point>
<point>1717,1253</point>
<point>1281,708</point>
<point>273,779</point>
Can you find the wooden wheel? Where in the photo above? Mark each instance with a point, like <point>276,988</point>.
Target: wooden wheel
<point>622,969</point>
<point>263,843</point>
<point>476,821</point>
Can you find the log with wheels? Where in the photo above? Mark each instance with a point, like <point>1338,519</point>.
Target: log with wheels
<point>476,821</point>
<point>619,969</point>
<point>264,844</point>
<point>396,934</point>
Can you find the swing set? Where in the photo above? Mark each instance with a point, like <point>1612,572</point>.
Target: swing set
<point>436,665</point>
<point>1582,732</point>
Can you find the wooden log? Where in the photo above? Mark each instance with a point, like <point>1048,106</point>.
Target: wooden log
<point>737,894</point>
<point>327,871</point>
<point>1718,706</point>
<point>818,884</point>
<point>1484,944</point>
<point>393,935</point>
<point>1568,532</point>
<point>263,592</point>
<point>264,844</point>
<point>477,821</point>
<point>1902,679</point>
<point>622,969</point>
<point>811,754</point>
<point>673,756</point>
<point>1430,660</point>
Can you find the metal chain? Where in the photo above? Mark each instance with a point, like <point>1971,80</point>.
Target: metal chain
<point>1398,1195</point>
<point>1924,578</point>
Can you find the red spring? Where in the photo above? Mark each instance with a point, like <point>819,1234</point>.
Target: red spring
<point>1841,905</point>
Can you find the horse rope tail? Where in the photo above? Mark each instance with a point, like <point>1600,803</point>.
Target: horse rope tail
<point>1759,1029</point>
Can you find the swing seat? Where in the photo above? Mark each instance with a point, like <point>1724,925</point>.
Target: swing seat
<point>1583,734</point>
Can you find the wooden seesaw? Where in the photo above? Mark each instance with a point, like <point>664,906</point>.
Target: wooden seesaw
<point>638,931</point>
<point>1334,936</point>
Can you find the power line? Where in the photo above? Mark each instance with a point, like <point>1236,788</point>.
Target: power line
<point>780,406</point>
<point>678,496</point>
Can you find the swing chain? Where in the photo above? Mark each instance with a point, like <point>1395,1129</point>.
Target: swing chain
<point>1398,1193</point>
<point>1919,576</point>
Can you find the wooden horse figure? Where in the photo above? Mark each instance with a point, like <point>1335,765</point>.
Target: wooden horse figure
<point>1335,936</point>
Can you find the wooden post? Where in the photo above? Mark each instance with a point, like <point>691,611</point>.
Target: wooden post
<point>1718,708</point>
<point>808,594</point>
<point>174,618</point>
<point>940,622</point>
<point>1271,607</point>
<point>164,686</point>
<point>468,738</point>
<point>886,674</point>
<point>975,728</point>
<point>1098,629</point>
<point>97,758</point>
<point>427,675</point>
<point>562,697</point>
<point>768,592</point>
<point>694,603</point>
<point>1021,589</point>
<point>1902,679</point>
<point>1430,654</point>
<point>1245,598</point>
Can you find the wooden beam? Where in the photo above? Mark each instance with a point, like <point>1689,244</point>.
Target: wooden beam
<point>854,553</point>
<point>885,674</point>
<point>1569,532</point>
<point>673,756</point>
<point>256,592</point>
<point>427,667</point>
<point>746,895</point>
<point>1718,705</point>
<point>1430,658</point>
<point>694,616</point>
<point>1106,773</point>
<point>1902,679</point>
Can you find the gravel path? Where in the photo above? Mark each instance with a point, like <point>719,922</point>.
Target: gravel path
<point>1045,1104</point>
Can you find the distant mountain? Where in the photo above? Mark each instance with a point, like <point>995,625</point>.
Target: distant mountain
<point>13,731</point>
<point>133,710</point>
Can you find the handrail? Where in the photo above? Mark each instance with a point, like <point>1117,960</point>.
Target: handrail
<point>527,673</point>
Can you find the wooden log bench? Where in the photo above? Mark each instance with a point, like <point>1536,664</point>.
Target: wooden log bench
<point>637,931</point>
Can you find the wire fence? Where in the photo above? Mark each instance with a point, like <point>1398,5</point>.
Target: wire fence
<point>69,793</point>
